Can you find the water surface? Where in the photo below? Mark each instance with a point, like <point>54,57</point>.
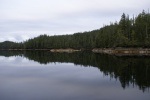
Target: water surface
<point>73,76</point>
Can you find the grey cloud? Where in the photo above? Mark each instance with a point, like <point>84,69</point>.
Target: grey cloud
<point>23,19</point>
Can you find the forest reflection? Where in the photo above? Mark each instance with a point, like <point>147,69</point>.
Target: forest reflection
<point>133,71</point>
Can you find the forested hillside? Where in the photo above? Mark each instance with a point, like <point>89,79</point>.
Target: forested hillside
<point>133,31</point>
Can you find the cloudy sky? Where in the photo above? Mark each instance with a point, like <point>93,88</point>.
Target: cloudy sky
<point>24,19</point>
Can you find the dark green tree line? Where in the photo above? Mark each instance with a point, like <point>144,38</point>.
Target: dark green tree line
<point>128,32</point>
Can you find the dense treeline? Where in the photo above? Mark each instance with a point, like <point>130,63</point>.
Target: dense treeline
<point>128,32</point>
<point>128,70</point>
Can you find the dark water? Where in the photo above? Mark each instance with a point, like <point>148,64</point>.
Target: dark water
<point>73,76</point>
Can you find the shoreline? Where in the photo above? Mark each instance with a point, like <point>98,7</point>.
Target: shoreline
<point>123,51</point>
<point>64,50</point>
<point>111,51</point>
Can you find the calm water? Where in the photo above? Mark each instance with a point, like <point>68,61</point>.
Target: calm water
<point>73,76</point>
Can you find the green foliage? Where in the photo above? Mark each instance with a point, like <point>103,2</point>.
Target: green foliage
<point>142,28</point>
<point>134,32</point>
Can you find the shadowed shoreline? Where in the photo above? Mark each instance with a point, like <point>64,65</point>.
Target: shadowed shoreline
<point>124,51</point>
<point>110,51</point>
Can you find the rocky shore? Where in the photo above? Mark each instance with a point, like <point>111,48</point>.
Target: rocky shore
<point>123,51</point>
<point>112,51</point>
<point>64,50</point>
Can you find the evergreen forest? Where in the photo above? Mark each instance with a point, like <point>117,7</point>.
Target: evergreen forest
<point>130,31</point>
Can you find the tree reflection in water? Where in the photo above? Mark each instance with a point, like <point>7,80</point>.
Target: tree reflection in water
<point>129,70</point>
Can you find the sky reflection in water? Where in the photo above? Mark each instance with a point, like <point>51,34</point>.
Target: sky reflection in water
<point>21,79</point>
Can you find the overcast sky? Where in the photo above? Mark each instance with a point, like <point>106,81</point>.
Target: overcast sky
<point>24,19</point>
